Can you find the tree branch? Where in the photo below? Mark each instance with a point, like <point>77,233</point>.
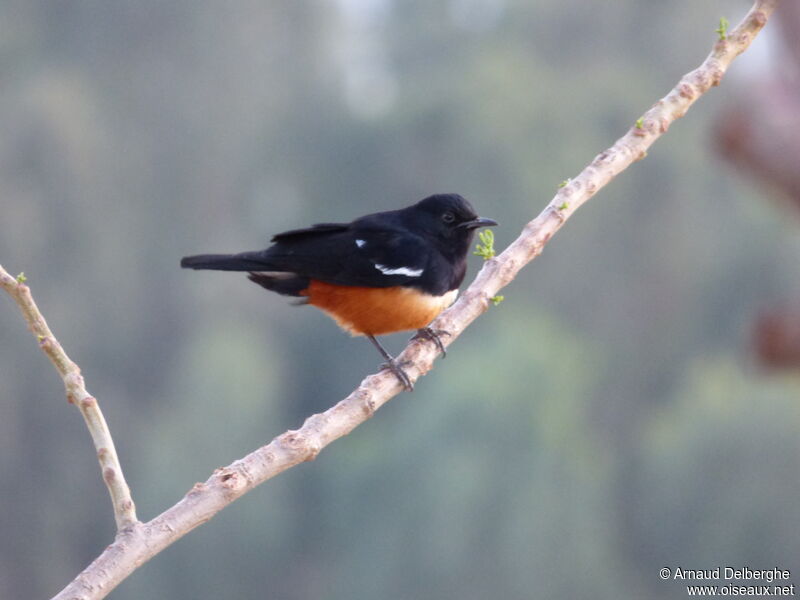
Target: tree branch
<point>139,542</point>
<point>124,509</point>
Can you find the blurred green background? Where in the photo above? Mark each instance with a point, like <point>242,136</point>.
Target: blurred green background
<point>606,420</point>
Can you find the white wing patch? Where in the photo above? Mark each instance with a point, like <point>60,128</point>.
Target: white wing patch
<point>399,271</point>
<point>361,243</point>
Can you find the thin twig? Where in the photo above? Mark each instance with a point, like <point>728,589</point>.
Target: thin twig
<point>124,509</point>
<point>136,544</point>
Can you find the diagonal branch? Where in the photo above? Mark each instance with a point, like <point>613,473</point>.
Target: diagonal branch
<point>124,510</point>
<point>138,543</point>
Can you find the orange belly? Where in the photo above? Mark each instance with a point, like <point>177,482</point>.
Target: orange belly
<point>377,311</point>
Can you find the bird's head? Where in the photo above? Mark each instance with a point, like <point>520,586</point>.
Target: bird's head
<point>449,220</point>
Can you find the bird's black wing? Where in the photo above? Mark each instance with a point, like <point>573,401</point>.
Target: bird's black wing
<point>353,256</point>
<point>314,230</point>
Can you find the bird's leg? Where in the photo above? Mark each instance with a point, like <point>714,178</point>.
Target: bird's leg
<point>427,333</point>
<point>393,365</point>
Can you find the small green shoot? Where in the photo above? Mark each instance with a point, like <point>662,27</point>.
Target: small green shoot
<point>21,278</point>
<point>640,123</point>
<point>722,30</point>
<point>564,206</point>
<point>486,248</point>
<point>564,183</point>
<point>497,299</point>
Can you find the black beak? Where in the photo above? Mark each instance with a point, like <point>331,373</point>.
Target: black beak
<point>479,222</point>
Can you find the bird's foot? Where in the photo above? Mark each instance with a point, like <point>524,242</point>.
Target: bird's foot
<point>434,335</point>
<point>397,368</point>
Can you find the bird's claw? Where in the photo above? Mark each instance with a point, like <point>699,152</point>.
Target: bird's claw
<point>397,369</point>
<point>433,335</point>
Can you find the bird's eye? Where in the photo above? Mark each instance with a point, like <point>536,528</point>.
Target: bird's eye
<point>448,217</point>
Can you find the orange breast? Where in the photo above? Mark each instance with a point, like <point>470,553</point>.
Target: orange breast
<point>377,311</point>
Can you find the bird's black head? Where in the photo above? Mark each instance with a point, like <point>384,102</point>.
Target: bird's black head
<point>450,220</point>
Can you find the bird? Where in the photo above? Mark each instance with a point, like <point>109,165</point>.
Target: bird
<point>382,273</point>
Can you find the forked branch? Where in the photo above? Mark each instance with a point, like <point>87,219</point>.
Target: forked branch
<point>138,542</point>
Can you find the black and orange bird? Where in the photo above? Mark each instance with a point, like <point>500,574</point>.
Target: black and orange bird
<point>382,273</point>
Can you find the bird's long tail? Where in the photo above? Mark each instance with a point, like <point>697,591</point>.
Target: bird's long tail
<point>246,261</point>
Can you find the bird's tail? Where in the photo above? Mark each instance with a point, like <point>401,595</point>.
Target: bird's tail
<point>246,261</point>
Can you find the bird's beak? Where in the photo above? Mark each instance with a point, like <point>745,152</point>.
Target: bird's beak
<point>479,222</point>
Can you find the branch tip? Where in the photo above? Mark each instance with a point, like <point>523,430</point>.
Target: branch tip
<point>76,393</point>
